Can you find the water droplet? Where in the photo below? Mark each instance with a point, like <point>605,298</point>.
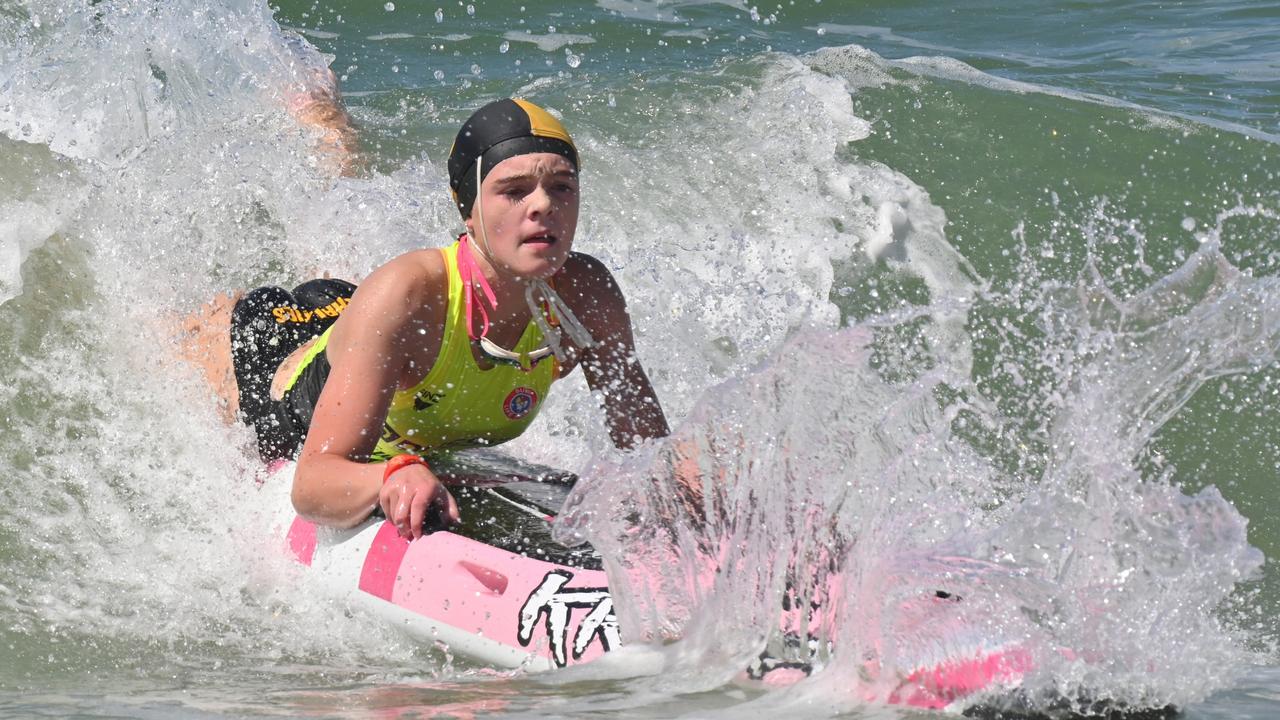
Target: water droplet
<point>551,28</point>
<point>475,69</point>
<point>504,47</point>
<point>822,31</point>
<point>572,60</point>
<point>471,9</point>
<point>390,7</point>
<point>612,102</point>
<point>439,74</point>
<point>439,15</point>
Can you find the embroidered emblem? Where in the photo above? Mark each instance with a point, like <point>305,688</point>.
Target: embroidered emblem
<point>519,403</point>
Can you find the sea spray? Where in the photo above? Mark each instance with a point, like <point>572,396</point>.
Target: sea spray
<point>166,171</point>
<point>728,245</point>
<point>828,483</point>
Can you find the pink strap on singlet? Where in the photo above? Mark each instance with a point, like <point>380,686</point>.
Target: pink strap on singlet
<point>471,276</point>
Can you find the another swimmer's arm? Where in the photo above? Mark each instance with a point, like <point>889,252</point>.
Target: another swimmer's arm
<point>319,106</point>
<point>632,410</point>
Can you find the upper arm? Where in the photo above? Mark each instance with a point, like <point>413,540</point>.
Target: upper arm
<point>611,366</point>
<point>596,299</point>
<point>370,353</point>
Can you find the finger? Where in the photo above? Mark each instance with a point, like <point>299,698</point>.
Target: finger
<point>455,516</point>
<point>403,513</point>
<point>384,502</point>
<point>417,512</point>
<point>438,511</point>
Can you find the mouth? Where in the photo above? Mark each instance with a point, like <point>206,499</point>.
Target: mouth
<point>545,240</point>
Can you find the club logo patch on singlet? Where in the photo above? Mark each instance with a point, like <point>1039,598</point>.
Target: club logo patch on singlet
<point>519,402</point>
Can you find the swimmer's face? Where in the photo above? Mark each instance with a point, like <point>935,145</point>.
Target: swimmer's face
<point>530,206</point>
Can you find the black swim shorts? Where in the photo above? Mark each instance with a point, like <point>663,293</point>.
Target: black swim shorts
<point>268,324</point>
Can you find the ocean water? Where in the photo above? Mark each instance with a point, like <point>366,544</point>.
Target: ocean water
<point>983,296</point>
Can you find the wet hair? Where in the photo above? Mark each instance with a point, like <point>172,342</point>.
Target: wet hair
<point>500,130</point>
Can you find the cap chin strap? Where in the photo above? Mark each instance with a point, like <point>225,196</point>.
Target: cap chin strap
<point>538,294</point>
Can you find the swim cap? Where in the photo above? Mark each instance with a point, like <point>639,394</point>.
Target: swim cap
<point>500,130</point>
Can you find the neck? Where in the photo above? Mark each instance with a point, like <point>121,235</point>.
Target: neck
<point>483,272</point>
<point>507,287</point>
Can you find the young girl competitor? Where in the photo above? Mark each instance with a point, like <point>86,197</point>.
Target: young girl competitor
<point>441,349</point>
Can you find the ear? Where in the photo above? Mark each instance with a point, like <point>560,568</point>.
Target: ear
<point>469,223</point>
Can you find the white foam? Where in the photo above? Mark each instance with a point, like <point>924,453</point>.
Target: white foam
<point>887,34</point>
<point>23,227</point>
<point>195,181</point>
<point>318,34</point>
<point>724,221</point>
<point>656,10</point>
<point>548,42</point>
<point>697,34</point>
<point>952,69</point>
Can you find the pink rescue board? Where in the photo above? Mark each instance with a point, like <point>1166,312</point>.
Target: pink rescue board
<point>492,605</point>
<point>509,610</point>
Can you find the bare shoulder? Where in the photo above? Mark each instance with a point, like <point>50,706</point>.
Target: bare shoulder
<point>590,290</point>
<point>585,282</point>
<point>407,280</point>
<point>397,299</point>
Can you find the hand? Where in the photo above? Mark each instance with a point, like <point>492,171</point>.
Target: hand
<point>413,494</point>
<point>685,462</point>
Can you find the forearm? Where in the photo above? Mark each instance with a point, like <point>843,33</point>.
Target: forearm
<point>330,489</point>
<point>635,415</point>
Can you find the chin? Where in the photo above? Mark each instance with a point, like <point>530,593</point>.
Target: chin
<point>540,267</point>
<point>540,271</point>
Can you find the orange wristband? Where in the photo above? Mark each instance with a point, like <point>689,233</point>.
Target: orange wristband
<point>398,462</point>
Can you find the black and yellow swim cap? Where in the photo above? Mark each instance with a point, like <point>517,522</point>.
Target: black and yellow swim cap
<point>500,130</point>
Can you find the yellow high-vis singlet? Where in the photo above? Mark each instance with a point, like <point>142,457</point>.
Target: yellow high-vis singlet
<point>458,405</point>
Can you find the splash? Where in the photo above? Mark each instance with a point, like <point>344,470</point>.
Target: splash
<point>734,240</point>
<point>836,482</point>
<point>159,162</point>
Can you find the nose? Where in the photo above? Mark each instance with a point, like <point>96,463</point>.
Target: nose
<point>539,201</point>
